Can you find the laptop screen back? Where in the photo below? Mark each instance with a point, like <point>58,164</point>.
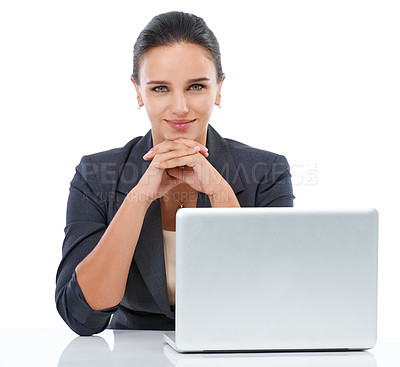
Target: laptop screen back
<point>275,278</point>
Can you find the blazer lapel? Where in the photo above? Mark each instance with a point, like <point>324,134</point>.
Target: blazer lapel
<point>135,166</point>
<point>221,159</point>
<point>149,257</point>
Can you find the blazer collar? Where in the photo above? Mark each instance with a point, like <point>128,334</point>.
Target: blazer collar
<point>221,159</point>
<point>135,166</point>
<point>149,253</point>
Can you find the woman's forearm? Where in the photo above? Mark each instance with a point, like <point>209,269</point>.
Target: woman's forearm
<point>224,197</point>
<point>102,275</point>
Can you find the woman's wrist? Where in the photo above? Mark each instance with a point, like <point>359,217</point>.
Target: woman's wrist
<point>223,196</point>
<point>138,197</point>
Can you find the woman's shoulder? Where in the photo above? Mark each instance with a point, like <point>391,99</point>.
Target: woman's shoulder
<point>119,154</point>
<point>241,150</point>
<point>100,172</point>
<point>107,166</point>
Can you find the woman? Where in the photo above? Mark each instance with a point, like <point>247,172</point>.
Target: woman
<point>118,252</point>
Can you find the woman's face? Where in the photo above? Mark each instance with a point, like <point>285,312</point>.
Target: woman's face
<point>178,86</point>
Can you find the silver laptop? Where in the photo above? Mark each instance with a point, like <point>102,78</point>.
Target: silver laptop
<point>252,279</point>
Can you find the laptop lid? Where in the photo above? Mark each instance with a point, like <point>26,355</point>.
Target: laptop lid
<point>275,279</point>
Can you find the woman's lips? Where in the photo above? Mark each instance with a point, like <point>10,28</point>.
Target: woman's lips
<point>180,125</point>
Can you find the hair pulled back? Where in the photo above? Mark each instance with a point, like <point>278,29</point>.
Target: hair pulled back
<point>176,27</point>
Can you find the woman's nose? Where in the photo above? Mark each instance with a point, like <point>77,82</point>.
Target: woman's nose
<point>179,104</point>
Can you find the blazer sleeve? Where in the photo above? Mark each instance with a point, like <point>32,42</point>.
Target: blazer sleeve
<point>275,189</point>
<point>85,225</point>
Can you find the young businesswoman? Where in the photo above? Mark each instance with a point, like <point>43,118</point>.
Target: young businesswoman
<point>118,251</point>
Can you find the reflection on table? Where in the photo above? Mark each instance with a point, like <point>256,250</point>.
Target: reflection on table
<point>146,348</point>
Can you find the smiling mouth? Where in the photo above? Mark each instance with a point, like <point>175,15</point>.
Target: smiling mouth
<point>180,125</point>
<point>180,121</point>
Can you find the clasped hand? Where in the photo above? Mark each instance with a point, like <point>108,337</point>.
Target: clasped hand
<point>176,161</point>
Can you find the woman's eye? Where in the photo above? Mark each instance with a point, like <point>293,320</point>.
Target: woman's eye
<point>197,87</point>
<point>163,88</point>
<point>160,88</point>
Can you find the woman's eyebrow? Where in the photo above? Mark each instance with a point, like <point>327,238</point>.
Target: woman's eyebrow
<point>198,80</point>
<point>189,81</point>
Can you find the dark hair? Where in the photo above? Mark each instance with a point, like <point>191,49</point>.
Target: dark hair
<point>176,27</point>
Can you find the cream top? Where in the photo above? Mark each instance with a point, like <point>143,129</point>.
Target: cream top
<point>169,238</point>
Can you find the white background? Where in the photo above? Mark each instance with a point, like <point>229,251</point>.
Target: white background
<point>317,81</point>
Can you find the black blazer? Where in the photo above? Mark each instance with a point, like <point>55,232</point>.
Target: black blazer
<point>102,181</point>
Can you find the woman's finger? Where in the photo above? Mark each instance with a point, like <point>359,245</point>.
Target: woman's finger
<point>157,150</point>
<point>186,160</point>
<point>169,145</point>
<point>181,152</point>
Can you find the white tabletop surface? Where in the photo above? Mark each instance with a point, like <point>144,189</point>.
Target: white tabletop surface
<point>61,347</point>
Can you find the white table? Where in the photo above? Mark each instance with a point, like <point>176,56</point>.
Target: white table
<point>61,347</point>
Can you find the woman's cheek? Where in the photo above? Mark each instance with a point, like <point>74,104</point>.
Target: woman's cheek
<point>203,104</point>
<point>156,108</point>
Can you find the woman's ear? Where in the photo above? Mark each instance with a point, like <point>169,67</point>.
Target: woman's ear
<point>218,97</point>
<point>139,97</point>
<point>136,86</point>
